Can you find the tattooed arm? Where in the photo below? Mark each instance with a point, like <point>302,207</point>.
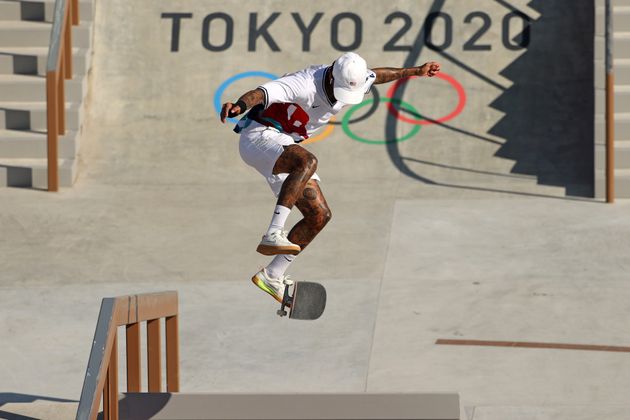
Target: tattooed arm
<point>389,74</point>
<point>245,102</point>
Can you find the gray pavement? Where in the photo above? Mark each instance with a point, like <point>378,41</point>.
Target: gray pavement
<point>163,202</point>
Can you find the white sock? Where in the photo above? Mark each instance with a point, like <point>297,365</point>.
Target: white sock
<point>278,266</point>
<point>279,218</point>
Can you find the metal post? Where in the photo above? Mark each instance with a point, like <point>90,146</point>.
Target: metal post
<point>610,109</point>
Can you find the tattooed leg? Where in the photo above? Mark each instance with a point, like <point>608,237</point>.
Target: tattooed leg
<point>314,208</point>
<point>300,164</point>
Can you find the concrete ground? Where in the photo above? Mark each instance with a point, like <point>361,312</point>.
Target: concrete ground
<point>163,202</point>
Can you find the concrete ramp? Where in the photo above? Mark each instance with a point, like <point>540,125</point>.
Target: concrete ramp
<point>423,244</point>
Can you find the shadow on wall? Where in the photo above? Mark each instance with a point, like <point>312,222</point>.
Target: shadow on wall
<point>548,122</point>
<point>20,178</point>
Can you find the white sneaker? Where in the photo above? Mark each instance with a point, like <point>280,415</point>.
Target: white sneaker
<point>277,243</point>
<point>275,287</point>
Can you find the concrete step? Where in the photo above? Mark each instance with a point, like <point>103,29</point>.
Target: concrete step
<point>33,173</point>
<point>162,406</point>
<point>622,183</point>
<point>10,10</point>
<point>32,116</point>
<point>622,99</point>
<point>40,409</point>
<point>621,72</point>
<point>621,44</point>
<point>615,3</point>
<point>622,127</point>
<point>32,60</point>
<point>33,145</point>
<point>621,18</point>
<point>37,34</point>
<point>39,10</point>
<point>622,155</point>
<point>21,88</point>
<point>600,49</point>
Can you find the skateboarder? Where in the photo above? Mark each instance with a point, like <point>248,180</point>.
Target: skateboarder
<point>282,113</point>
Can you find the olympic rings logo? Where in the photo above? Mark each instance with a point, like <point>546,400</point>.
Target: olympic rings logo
<point>345,124</point>
<point>461,101</point>
<point>393,106</point>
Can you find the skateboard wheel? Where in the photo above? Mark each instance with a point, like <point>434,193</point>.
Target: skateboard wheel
<point>281,312</point>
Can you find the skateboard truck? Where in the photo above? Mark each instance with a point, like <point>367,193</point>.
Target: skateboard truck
<point>307,302</point>
<point>287,300</point>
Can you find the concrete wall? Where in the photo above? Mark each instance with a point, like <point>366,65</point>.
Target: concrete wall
<point>528,106</point>
<point>548,109</point>
<point>621,74</point>
<point>599,70</point>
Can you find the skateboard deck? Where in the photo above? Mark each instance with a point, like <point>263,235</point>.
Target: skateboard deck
<point>307,302</point>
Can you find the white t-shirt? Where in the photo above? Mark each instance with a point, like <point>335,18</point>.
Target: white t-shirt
<point>297,103</point>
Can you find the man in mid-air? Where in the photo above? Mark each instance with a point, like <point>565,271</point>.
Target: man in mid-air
<point>282,113</point>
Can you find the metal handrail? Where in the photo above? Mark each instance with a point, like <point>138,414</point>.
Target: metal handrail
<point>58,68</point>
<point>101,376</point>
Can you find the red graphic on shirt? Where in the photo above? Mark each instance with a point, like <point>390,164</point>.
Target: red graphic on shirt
<point>291,117</point>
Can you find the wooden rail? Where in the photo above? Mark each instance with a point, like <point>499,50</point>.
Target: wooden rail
<point>101,376</point>
<point>58,68</point>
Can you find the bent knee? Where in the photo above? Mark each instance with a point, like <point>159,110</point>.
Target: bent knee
<point>296,159</point>
<point>320,218</point>
<point>327,215</point>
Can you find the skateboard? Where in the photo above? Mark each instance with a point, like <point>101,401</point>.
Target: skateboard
<point>307,302</point>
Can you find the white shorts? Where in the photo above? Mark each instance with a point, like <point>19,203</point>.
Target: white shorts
<point>260,147</point>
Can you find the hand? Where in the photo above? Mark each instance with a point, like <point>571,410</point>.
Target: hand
<point>230,110</point>
<point>429,69</point>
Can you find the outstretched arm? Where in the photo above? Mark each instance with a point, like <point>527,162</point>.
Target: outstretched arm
<point>245,102</point>
<point>389,74</point>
